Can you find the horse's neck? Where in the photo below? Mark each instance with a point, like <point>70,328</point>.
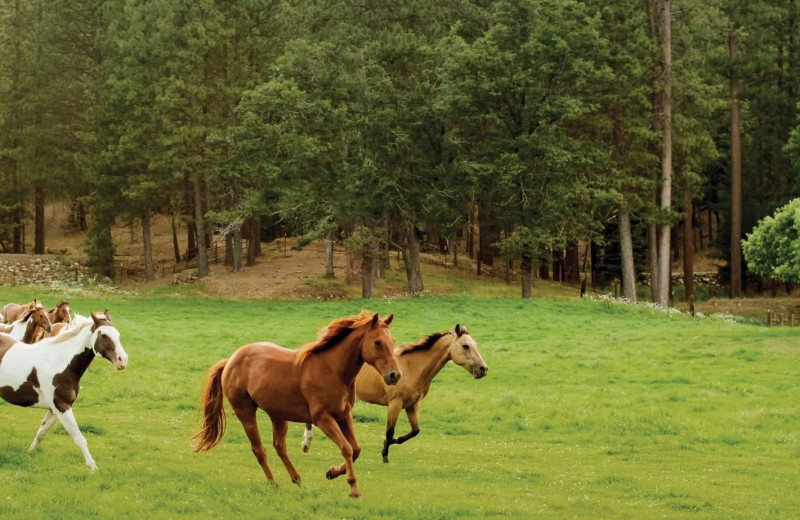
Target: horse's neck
<point>429,362</point>
<point>345,358</point>
<point>20,328</point>
<point>29,331</point>
<point>67,350</point>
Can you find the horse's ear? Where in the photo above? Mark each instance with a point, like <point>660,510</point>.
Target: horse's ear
<point>374,320</point>
<point>460,330</point>
<point>389,319</point>
<point>108,316</point>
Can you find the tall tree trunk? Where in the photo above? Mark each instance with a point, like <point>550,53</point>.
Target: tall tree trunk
<point>626,252</point>
<point>664,265</point>
<point>594,253</point>
<point>688,246</point>
<point>329,254</point>
<point>253,239</point>
<point>176,248</point>
<point>38,228</point>
<point>652,260</point>
<point>367,262</point>
<point>736,165</point>
<point>228,250</point>
<point>572,263</point>
<point>411,260</point>
<point>526,273</point>
<point>544,267</point>
<point>149,271</point>
<point>558,265</point>
<point>237,249</point>
<point>202,250</point>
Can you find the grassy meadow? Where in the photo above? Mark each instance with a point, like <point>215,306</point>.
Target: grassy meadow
<point>587,412</point>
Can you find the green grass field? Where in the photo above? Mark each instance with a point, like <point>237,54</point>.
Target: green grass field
<point>587,412</point>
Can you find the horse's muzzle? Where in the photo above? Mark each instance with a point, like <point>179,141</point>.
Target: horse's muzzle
<point>391,377</point>
<point>480,371</point>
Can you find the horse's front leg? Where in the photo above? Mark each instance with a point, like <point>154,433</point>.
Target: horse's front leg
<point>393,413</point>
<point>67,419</point>
<point>332,429</point>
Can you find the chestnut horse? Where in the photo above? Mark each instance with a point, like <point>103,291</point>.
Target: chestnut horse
<point>420,362</point>
<point>32,319</point>
<point>314,384</point>
<point>60,318</point>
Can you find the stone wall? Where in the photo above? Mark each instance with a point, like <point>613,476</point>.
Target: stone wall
<point>39,270</point>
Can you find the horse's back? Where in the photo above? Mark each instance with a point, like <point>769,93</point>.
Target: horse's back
<point>10,311</point>
<point>267,374</point>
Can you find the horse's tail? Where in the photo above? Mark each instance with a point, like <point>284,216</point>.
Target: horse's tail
<point>213,427</point>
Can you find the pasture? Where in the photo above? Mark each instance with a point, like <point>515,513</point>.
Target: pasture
<point>586,412</point>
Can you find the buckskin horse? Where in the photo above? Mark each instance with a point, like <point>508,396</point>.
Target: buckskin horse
<point>47,374</point>
<point>313,384</point>
<point>419,362</point>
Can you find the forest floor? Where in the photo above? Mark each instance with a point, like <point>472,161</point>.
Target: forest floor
<point>285,271</point>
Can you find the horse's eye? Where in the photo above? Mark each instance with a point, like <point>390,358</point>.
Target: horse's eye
<point>378,343</point>
<point>466,347</point>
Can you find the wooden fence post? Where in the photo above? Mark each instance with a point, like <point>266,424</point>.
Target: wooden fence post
<point>769,318</point>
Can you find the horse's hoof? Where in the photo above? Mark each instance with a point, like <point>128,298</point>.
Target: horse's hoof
<point>329,475</point>
<point>296,481</point>
<point>355,495</point>
<point>305,449</point>
<point>386,459</point>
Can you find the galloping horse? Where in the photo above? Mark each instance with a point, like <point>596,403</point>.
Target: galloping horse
<point>47,374</point>
<point>313,384</point>
<point>420,362</point>
<point>32,319</point>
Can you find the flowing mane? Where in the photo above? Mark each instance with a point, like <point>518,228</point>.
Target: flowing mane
<point>425,344</point>
<point>334,333</point>
<point>77,327</point>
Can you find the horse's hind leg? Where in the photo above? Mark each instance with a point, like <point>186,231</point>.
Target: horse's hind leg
<point>247,416</point>
<point>308,434</point>
<point>279,429</point>
<point>68,421</point>
<point>412,412</point>
<point>49,420</point>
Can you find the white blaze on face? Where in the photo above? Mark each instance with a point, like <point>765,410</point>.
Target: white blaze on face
<point>106,335</point>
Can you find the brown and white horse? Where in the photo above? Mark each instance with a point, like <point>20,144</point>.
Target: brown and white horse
<point>47,374</point>
<point>32,319</point>
<point>419,362</point>
<point>313,384</point>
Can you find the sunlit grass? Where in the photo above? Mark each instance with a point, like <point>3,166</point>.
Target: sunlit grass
<point>588,411</point>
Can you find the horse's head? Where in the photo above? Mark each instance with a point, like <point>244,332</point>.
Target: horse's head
<point>105,341</point>
<point>39,315</point>
<point>464,352</point>
<point>62,313</point>
<point>377,349</point>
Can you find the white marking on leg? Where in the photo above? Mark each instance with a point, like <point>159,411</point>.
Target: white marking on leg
<point>308,434</point>
<point>68,420</point>
<point>47,423</point>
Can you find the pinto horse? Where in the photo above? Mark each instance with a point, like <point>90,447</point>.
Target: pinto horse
<point>313,384</point>
<point>32,319</point>
<point>47,374</point>
<point>419,362</point>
